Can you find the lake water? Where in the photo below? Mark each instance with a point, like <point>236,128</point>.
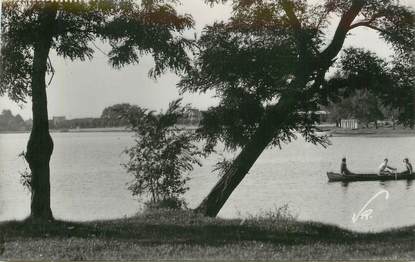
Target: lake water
<point>88,182</point>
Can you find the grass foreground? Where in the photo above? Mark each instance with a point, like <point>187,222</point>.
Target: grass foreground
<point>168,234</point>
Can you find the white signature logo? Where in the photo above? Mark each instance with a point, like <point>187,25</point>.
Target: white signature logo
<point>365,214</point>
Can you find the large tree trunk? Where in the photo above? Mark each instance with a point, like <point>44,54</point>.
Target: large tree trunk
<point>40,145</point>
<point>268,128</point>
<point>273,122</point>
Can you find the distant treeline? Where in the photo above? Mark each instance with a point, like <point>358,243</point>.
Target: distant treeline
<point>363,106</point>
<point>111,117</point>
<point>108,118</point>
<point>88,122</point>
<point>9,122</point>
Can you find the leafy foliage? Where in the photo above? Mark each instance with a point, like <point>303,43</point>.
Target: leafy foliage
<point>162,155</point>
<point>368,85</point>
<point>363,106</point>
<point>234,61</point>
<point>131,29</point>
<point>25,175</point>
<point>279,48</point>
<point>403,96</point>
<point>113,112</point>
<point>110,115</point>
<point>222,166</point>
<point>31,30</point>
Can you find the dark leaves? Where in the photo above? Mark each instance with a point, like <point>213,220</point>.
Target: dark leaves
<point>392,84</point>
<point>133,30</point>
<point>264,52</point>
<point>163,155</point>
<point>15,70</point>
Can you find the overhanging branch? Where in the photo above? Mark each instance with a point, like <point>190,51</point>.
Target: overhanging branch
<point>340,35</point>
<point>302,42</point>
<point>368,25</point>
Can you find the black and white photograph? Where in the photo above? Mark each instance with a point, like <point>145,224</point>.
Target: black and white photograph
<point>220,130</point>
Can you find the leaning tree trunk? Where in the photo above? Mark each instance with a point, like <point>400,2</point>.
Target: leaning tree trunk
<point>40,145</point>
<point>266,131</point>
<point>273,122</point>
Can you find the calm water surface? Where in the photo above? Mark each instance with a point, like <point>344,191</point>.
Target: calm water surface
<point>87,181</point>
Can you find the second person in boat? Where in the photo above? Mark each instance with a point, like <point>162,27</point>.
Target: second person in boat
<point>384,169</point>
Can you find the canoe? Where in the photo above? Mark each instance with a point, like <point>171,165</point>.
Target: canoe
<point>336,177</point>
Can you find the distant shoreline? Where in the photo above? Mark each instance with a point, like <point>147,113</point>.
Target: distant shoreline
<point>330,131</point>
<point>372,132</point>
<point>82,130</point>
<point>87,130</point>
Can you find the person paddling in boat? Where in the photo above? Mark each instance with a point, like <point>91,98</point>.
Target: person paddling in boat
<point>343,168</point>
<point>408,166</point>
<point>384,169</point>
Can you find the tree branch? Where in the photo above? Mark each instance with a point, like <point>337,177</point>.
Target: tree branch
<point>52,69</point>
<point>99,49</point>
<point>288,7</point>
<point>366,22</point>
<point>340,35</point>
<point>361,23</point>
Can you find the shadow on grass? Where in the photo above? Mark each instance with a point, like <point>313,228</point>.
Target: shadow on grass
<point>188,228</point>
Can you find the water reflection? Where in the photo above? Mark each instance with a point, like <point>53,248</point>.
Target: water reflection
<point>345,184</point>
<point>409,184</point>
<point>384,184</point>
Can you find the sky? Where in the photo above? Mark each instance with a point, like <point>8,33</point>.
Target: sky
<point>84,89</point>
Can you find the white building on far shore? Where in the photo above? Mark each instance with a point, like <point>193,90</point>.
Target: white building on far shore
<point>349,123</point>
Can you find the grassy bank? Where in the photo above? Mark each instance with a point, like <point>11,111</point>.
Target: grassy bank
<point>184,235</point>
